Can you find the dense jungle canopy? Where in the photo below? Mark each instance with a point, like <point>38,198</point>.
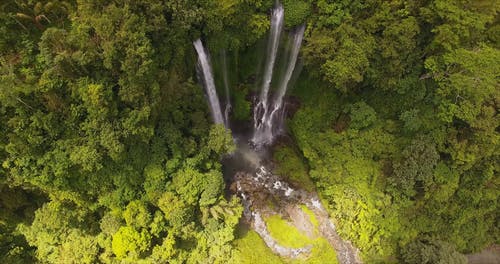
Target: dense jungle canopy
<point>108,152</point>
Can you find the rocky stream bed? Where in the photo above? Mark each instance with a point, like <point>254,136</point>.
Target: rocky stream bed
<point>265,194</point>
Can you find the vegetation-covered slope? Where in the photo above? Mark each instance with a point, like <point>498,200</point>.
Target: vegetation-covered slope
<point>108,152</point>
<point>401,131</point>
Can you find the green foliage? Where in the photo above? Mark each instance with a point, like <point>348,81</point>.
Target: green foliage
<point>79,247</point>
<point>251,248</point>
<point>137,215</point>
<point>220,140</point>
<point>414,173</point>
<point>108,155</point>
<point>431,251</point>
<point>289,236</point>
<point>296,12</point>
<point>13,245</point>
<point>467,83</point>
<point>386,186</point>
<point>411,120</point>
<point>58,235</point>
<point>342,54</point>
<point>212,189</point>
<point>109,224</point>
<point>286,234</point>
<point>242,108</point>
<point>311,215</point>
<point>218,233</point>
<point>165,251</point>
<point>322,252</point>
<point>100,111</point>
<point>361,114</point>
<point>176,211</point>
<point>291,166</point>
<point>130,242</point>
<point>410,159</point>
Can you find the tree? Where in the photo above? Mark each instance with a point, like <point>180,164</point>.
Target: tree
<point>130,243</point>
<point>60,234</point>
<point>411,120</point>
<point>467,83</point>
<point>177,212</point>
<point>361,114</point>
<point>137,215</point>
<point>220,140</point>
<point>414,172</point>
<point>429,250</point>
<point>343,55</point>
<point>296,12</point>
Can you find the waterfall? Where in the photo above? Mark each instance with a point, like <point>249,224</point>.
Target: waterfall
<point>278,101</point>
<point>272,120</point>
<point>260,109</point>
<point>228,107</point>
<point>208,82</point>
<point>268,118</point>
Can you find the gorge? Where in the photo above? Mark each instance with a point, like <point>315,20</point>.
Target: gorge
<point>256,181</point>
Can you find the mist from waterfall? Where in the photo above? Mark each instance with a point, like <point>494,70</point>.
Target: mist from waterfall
<point>208,81</point>
<point>272,118</point>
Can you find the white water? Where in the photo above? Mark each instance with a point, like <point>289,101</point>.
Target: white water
<point>228,107</point>
<point>208,82</point>
<point>297,42</point>
<point>261,108</point>
<point>271,120</point>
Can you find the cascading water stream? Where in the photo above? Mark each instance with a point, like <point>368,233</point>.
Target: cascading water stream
<point>278,102</point>
<point>261,108</point>
<point>228,106</point>
<point>264,133</point>
<point>208,81</point>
